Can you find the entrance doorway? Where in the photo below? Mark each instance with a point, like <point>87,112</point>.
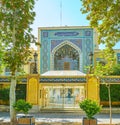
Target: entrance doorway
<point>66,66</point>
<point>63,96</point>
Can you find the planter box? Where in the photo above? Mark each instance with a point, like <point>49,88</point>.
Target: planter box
<point>26,120</point>
<point>89,121</point>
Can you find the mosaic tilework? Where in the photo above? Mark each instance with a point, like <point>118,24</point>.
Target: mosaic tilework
<point>77,42</point>
<point>118,58</point>
<point>66,33</point>
<point>8,80</point>
<point>50,39</point>
<point>24,80</point>
<point>54,43</point>
<point>45,34</point>
<point>88,33</point>
<point>82,32</point>
<point>87,48</point>
<point>4,80</point>
<point>110,80</point>
<point>62,80</point>
<point>44,56</point>
<point>72,46</point>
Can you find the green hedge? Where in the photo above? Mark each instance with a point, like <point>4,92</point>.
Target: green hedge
<point>20,92</point>
<point>4,94</point>
<point>115,92</point>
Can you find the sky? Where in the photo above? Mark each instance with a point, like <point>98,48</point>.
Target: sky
<point>59,13</point>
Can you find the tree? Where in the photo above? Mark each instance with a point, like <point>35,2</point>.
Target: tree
<point>16,16</point>
<point>104,16</point>
<point>105,69</point>
<point>1,54</point>
<point>115,70</point>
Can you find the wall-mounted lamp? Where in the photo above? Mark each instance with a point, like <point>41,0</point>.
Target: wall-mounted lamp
<point>91,61</point>
<point>35,61</point>
<point>91,57</point>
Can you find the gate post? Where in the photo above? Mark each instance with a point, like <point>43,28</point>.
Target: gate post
<point>92,88</point>
<point>33,89</point>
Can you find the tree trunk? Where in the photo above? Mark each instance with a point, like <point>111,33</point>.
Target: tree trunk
<point>12,101</point>
<point>13,79</point>
<point>109,95</point>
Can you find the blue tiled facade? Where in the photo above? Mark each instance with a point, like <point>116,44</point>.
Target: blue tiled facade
<point>81,38</point>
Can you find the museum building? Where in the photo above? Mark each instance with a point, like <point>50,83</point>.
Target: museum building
<point>62,78</point>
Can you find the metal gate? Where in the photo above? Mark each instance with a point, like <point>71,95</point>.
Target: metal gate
<point>62,96</point>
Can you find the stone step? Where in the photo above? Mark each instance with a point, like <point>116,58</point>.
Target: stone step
<point>62,110</point>
<point>36,109</point>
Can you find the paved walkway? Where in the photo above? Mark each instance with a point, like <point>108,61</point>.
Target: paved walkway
<point>65,117</point>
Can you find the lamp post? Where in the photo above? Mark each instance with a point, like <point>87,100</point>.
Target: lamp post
<point>91,61</point>
<point>35,61</point>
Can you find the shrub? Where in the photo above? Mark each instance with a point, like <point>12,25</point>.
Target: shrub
<point>90,107</point>
<point>22,106</point>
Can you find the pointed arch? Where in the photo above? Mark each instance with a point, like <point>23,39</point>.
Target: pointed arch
<point>62,45</point>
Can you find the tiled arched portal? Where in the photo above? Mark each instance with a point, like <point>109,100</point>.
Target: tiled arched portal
<point>66,52</point>
<point>66,58</point>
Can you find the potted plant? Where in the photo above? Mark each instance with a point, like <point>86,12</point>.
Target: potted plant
<point>23,106</point>
<point>90,108</point>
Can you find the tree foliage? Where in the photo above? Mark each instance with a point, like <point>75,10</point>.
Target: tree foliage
<point>115,70</point>
<point>104,16</point>
<point>16,16</point>
<point>105,68</point>
<point>15,33</point>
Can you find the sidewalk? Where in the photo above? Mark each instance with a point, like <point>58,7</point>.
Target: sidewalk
<point>64,118</point>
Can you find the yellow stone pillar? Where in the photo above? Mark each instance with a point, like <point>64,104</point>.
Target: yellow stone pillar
<point>33,88</point>
<point>92,88</point>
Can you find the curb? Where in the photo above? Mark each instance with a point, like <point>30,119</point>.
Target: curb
<point>57,123</point>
